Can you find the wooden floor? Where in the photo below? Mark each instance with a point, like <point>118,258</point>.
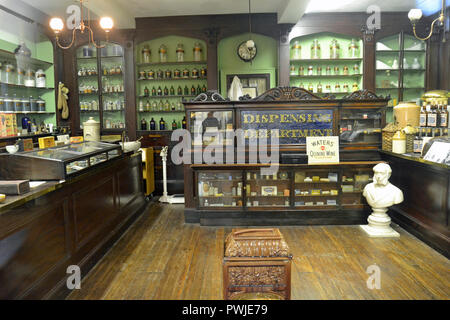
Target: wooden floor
<point>160,257</point>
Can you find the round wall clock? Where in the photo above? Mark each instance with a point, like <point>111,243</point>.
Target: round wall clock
<point>245,53</point>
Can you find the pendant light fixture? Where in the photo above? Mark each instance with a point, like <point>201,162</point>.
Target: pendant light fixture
<point>57,25</point>
<point>250,42</point>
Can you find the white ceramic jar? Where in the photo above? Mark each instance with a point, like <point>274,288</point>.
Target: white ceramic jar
<point>91,130</point>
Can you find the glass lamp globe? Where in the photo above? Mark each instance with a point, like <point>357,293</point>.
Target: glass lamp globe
<point>56,24</point>
<point>414,15</point>
<point>250,44</point>
<point>106,23</point>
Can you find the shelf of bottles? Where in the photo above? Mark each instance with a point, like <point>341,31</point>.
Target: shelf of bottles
<point>27,84</point>
<point>326,64</point>
<point>101,85</point>
<point>169,70</point>
<point>308,189</point>
<point>400,68</point>
<point>433,122</point>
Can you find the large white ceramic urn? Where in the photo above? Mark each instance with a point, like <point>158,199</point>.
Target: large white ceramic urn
<point>91,130</point>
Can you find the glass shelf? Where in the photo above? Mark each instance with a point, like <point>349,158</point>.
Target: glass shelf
<point>170,63</point>
<point>328,60</point>
<point>23,87</point>
<point>327,76</point>
<point>32,61</point>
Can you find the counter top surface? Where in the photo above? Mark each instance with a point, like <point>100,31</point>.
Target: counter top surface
<point>415,157</point>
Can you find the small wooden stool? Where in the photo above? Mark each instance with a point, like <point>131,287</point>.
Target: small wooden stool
<point>256,265</point>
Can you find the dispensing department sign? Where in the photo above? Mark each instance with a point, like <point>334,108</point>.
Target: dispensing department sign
<point>322,149</point>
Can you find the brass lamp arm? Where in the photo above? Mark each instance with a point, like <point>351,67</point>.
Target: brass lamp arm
<point>431,31</point>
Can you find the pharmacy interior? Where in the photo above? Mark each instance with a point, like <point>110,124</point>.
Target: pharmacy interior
<point>87,117</point>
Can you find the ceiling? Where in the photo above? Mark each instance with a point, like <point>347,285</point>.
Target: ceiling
<point>289,11</point>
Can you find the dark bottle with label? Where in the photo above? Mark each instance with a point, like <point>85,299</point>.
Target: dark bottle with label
<point>146,92</point>
<point>143,124</point>
<point>418,142</point>
<point>193,90</point>
<point>444,116</point>
<point>162,124</point>
<point>199,90</point>
<point>432,117</point>
<point>172,91</point>
<point>186,90</point>
<point>166,91</point>
<point>423,116</point>
<point>179,91</point>
<point>159,91</point>
<point>152,124</point>
<point>174,125</point>
<point>204,88</point>
<point>153,91</point>
<point>183,123</point>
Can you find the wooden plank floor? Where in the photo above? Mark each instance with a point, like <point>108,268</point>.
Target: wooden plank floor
<point>160,257</point>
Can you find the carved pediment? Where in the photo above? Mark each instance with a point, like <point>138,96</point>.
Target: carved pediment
<point>287,94</point>
<point>209,96</point>
<point>362,95</point>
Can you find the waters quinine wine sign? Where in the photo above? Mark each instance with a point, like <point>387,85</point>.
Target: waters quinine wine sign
<point>322,150</point>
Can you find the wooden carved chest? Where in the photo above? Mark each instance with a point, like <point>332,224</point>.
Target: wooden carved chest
<point>256,261</point>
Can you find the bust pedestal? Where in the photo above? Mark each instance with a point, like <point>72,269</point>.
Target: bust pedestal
<point>379,225</point>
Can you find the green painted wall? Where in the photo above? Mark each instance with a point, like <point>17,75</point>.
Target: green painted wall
<point>266,60</point>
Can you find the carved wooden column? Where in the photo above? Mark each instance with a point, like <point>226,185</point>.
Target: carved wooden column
<point>212,60</point>
<point>284,55</point>
<point>369,66</point>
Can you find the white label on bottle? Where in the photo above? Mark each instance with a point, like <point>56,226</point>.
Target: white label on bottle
<point>432,120</point>
<point>423,120</point>
<point>444,119</point>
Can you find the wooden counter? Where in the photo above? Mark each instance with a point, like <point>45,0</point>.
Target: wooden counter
<point>59,224</point>
<point>425,212</point>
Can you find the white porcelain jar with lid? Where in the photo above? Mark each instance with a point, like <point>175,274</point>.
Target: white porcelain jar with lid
<point>91,130</point>
<point>40,79</point>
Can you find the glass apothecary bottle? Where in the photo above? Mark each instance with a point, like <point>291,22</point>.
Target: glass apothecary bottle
<point>345,72</point>
<point>20,77</point>
<point>180,52</point>
<point>146,54</point>
<point>319,88</point>
<point>356,69</point>
<point>328,88</point>
<point>301,71</point>
<point>292,70</point>
<point>197,52</point>
<point>336,70</point>
<point>162,53</point>
<point>353,49</point>
<point>203,72</point>
<point>10,76</point>
<point>30,78</point>
<point>319,71</point>
<point>301,85</point>
<point>345,88</point>
<point>310,70</point>
<point>315,49</point>
<point>337,87</point>
<point>355,87</point>
<point>328,71</point>
<point>296,50</point>
<point>334,49</point>
<point>311,87</point>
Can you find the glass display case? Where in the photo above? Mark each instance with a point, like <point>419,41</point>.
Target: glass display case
<point>327,188</point>
<point>207,126</point>
<point>169,70</point>
<point>400,68</point>
<point>271,190</point>
<point>360,126</point>
<point>327,63</point>
<point>57,163</point>
<point>220,189</point>
<point>100,74</point>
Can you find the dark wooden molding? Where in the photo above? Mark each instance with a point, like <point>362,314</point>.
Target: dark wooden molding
<point>362,95</point>
<point>287,94</point>
<point>209,96</point>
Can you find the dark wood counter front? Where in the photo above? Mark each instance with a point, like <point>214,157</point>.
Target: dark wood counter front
<point>66,223</point>
<point>426,189</point>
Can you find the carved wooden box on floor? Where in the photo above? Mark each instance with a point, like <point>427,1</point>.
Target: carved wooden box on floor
<point>256,265</point>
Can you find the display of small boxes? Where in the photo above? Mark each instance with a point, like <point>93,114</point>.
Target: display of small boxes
<point>46,142</point>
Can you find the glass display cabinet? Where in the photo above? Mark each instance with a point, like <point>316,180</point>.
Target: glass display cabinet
<point>205,126</point>
<point>400,67</point>
<point>220,189</point>
<point>101,85</point>
<point>57,163</point>
<point>360,126</point>
<point>291,188</point>
<point>327,64</point>
<point>169,70</point>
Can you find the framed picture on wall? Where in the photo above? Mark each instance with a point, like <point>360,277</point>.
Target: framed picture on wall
<point>251,82</point>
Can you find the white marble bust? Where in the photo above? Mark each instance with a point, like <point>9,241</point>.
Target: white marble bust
<point>381,193</point>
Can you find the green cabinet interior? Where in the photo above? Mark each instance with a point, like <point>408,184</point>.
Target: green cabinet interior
<point>106,102</point>
<point>41,58</point>
<point>353,63</point>
<point>150,105</point>
<point>394,78</point>
<point>265,61</point>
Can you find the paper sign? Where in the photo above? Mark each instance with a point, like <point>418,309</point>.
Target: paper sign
<point>322,150</point>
